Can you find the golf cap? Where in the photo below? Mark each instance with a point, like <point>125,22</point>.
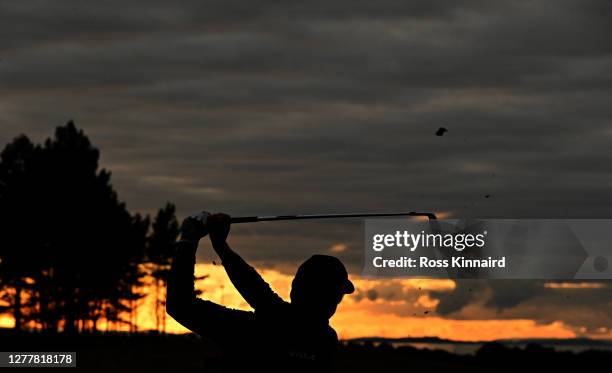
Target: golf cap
<point>326,270</point>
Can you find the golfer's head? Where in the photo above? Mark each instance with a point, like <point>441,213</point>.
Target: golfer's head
<point>319,285</point>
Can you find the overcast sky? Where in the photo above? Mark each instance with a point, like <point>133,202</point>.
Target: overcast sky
<point>316,106</point>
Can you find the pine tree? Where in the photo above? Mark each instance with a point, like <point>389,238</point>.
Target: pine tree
<point>68,241</point>
<point>159,254</point>
<point>17,214</point>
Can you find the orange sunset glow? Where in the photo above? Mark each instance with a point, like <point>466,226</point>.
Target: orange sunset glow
<point>411,316</point>
<point>408,312</point>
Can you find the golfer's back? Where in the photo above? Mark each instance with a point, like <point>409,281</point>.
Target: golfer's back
<point>281,340</point>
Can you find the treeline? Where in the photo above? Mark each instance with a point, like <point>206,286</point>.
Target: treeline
<point>72,257</point>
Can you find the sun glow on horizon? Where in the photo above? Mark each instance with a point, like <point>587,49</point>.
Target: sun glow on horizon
<point>360,316</point>
<point>390,308</point>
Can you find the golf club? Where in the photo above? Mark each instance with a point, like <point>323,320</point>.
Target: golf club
<point>253,219</point>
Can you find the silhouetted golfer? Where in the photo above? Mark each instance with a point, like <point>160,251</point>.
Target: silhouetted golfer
<point>277,336</point>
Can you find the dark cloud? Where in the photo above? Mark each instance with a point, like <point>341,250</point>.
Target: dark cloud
<point>584,306</point>
<point>388,291</point>
<point>498,295</point>
<point>284,107</point>
<point>509,293</point>
<point>465,292</point>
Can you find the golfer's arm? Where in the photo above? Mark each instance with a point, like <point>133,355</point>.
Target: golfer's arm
<point>253,288</point>
<point>181,301</point>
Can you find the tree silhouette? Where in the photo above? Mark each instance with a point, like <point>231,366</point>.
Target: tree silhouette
<point>159,254</point>
<point>70,251</point>
<point>17,163</point>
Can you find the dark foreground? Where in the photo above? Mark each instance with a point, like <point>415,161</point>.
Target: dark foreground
<point>175,353</point>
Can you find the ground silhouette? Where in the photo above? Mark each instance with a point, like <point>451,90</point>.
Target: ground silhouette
<point>153,353</point>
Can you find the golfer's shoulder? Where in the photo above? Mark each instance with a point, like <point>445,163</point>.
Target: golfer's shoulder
<point>275,309</point>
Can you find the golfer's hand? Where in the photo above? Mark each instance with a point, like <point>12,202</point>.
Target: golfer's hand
<point>219,227</point>
<point>194,227</point>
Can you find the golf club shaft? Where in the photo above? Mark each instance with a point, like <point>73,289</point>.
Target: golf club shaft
<point>253,219</point>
